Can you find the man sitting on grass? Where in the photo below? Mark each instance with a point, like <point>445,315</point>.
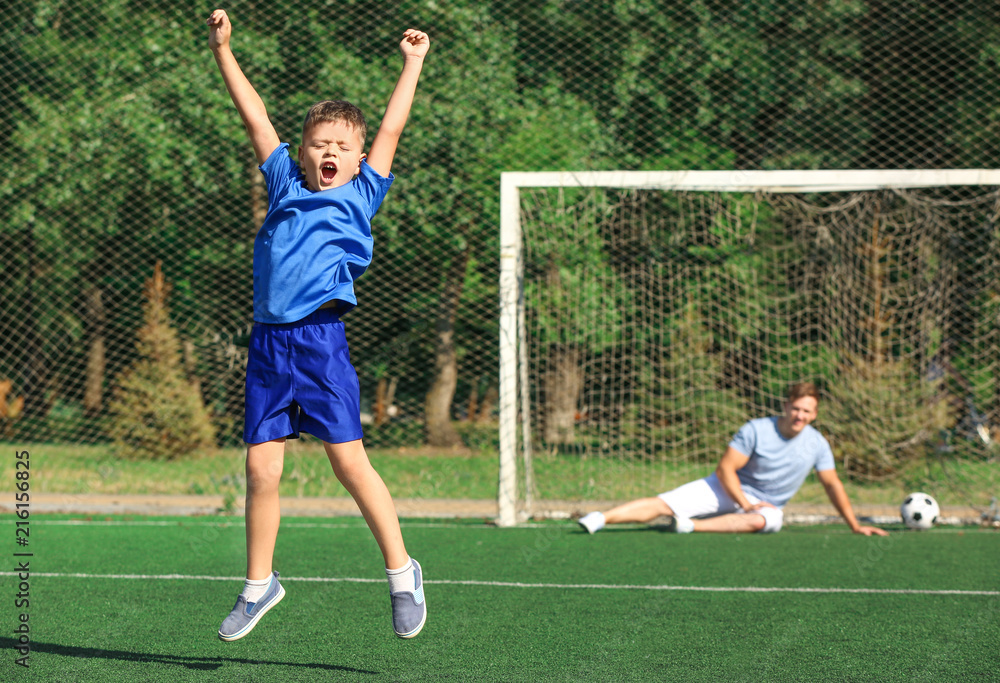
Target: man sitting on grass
<point>764,466</point>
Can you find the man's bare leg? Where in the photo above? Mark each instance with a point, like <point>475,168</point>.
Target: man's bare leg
<point>731,524</point>
<point>642,511</point>
<point>639,511</point>
<point>645,510</point>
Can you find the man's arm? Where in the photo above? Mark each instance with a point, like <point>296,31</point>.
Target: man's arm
<point>414,47</point>
<point>732,461</point>
<point>247,101</point>
<point>838,496</point>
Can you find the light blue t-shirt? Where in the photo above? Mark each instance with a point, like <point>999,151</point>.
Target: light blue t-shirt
<point>778,466</point>
<point>312,245</point>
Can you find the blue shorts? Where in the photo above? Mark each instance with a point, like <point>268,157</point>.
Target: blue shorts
<point>300,379</point>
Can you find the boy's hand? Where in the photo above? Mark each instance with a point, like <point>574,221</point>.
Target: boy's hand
<point>414,44</point>
<point>219,29</point>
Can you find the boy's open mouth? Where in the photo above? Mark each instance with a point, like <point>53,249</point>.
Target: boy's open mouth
<point>327,172</point>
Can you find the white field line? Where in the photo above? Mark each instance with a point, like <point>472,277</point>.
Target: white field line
<point>360,524</point>
<point>519,584</point>
<point>240,523</point>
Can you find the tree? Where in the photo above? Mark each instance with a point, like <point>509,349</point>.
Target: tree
<point>157,412</point>
<point>579,304</point>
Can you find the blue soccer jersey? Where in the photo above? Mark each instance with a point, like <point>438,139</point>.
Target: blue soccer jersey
<point>312,245</point>
<point>778,466</point>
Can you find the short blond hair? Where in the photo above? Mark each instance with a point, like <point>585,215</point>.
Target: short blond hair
<point>336,110</point>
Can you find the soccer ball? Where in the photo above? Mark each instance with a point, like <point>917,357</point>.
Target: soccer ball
<point>919,511</point>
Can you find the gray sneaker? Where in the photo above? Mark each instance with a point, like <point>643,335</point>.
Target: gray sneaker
<point>242,619</point>
<point>409,610</point>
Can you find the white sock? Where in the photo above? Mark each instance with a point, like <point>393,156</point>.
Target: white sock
<point>592,522</point>
<point>254,590</point>
<point>683,525</point>
<point>402,579</point>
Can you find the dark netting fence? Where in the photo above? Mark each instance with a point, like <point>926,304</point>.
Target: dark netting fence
<point>126,158</point>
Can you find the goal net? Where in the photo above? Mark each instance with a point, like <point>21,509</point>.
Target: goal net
<point>646,315</point>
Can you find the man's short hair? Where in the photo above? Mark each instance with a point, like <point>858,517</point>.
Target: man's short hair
<point>802,389</point>
<point>336,110</point>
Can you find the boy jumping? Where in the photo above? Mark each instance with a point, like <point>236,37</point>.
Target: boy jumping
<point>314,242</point>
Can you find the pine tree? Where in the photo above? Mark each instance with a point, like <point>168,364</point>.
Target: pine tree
<point>157,412</point>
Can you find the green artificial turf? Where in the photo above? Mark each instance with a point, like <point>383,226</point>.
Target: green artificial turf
<point>547,602</point>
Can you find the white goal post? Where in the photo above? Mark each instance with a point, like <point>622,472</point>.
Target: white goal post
<point>513,373</point>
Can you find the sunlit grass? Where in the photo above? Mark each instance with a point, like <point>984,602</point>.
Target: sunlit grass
<point>426,473</point>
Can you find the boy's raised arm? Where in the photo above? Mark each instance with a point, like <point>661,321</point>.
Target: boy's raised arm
<point>248,103</point>
<point>413,46</point>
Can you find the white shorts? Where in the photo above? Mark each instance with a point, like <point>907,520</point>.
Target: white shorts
<point>706,498</point>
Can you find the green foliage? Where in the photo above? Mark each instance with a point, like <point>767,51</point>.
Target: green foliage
<point>479,436</point>
<point>110,171</point>
<point>157,413</point>
<point>567,248</point>
<point>394,432</point>
<point>691,414</point>
<point>979,362</point>
<point>880,416</point>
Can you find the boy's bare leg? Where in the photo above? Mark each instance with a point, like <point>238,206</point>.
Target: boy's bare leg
<point>355,472</point>
<point>263,510</point>
<point>639,511</point>
<point>731,524</point>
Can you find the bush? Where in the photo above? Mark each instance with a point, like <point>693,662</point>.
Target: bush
<point>395,434</point>
<point>880,417</point>
<point>479,436</point>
